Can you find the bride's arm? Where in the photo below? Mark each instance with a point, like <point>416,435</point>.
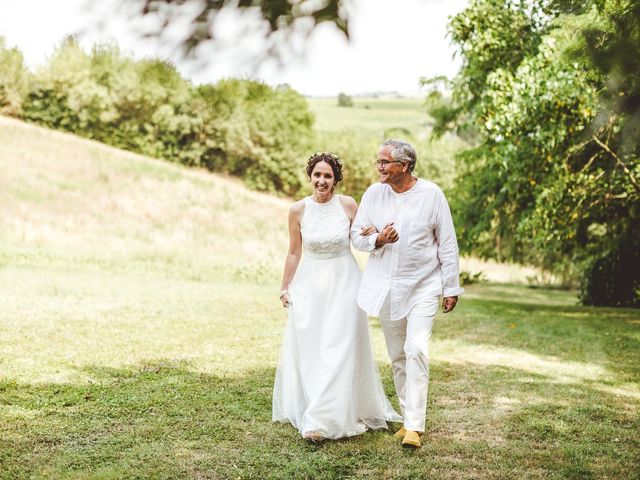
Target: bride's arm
<point>295,251</point>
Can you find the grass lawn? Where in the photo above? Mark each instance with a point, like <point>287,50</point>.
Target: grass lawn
<point>110,375</point>
<point>140,328</point>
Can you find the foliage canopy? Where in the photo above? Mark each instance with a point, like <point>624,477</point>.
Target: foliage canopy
<point>550,94</point>
<point>278,20</point>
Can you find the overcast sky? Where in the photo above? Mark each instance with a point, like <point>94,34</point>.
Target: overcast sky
<point>393,44</point>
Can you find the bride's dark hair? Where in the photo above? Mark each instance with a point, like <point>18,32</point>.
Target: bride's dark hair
<point>331,158</point>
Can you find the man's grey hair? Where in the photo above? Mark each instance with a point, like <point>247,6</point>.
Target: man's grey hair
<point>402,152</point>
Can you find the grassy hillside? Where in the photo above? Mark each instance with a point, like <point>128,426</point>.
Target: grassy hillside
<point>87,203</point>
<point>139,333</point>
<point>91,237</point>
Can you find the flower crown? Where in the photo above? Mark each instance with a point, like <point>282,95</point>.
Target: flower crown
<point>332,156</point>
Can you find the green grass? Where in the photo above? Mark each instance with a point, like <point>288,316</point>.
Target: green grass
<point>107,374</point>
<point>139,334</point>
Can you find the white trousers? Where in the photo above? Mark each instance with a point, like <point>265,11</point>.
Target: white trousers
<point>407,342</point>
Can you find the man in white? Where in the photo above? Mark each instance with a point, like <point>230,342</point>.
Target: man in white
<point>413,261</point>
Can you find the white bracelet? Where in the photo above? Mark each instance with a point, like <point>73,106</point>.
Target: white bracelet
<point>283,293</point>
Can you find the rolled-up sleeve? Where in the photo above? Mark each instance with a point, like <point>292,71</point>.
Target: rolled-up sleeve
<point>362,243</point>
<point>447,249</point>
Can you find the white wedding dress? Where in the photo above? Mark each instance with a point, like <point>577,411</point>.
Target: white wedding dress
<point>326,380</point>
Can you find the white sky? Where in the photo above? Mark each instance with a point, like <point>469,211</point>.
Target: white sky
<point>393,44</point>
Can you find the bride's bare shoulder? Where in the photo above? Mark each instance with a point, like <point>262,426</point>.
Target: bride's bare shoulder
<point>348,201</point>
<point>297,208</point>
<point>348,204</point>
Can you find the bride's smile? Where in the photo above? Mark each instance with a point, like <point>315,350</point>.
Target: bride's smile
<point>323,181</point>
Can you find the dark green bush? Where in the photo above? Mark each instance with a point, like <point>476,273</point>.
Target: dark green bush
<point>50,108</point>
<point>613,279</point>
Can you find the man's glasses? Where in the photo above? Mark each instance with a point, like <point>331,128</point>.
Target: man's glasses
<point>385,163</point>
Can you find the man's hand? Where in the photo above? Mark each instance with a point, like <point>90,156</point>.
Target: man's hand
<point>449,303</point>
<point>388,235</point>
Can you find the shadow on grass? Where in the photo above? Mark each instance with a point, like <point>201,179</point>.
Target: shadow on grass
<point>601,336</point>
<point>534,426</point>
<point>166,421</point>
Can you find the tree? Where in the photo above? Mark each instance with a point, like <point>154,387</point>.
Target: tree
<point>344,100</point>
<point>280,21</point>
<point>14,80</point>
<point>549,93</point>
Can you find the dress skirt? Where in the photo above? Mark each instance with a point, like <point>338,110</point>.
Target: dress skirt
<point>327,381</point>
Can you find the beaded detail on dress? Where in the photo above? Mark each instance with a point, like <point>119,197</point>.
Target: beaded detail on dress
<point>324,227</point>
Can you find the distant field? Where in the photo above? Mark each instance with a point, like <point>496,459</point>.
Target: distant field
<point>372,115</point>
<point>356,132</point>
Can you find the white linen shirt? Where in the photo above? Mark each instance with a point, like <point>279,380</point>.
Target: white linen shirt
<point>422,264</point>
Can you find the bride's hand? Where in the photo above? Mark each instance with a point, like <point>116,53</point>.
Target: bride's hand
<point>284,298</point>
<point>368,230</point>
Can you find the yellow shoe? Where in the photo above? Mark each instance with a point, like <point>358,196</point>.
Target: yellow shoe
<point>411,440</point>
<point>400,433</point>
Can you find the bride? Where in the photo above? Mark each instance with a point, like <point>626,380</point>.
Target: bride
<point>327,384</point>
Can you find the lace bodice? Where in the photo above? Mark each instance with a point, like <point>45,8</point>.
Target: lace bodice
<point>324,227</point>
